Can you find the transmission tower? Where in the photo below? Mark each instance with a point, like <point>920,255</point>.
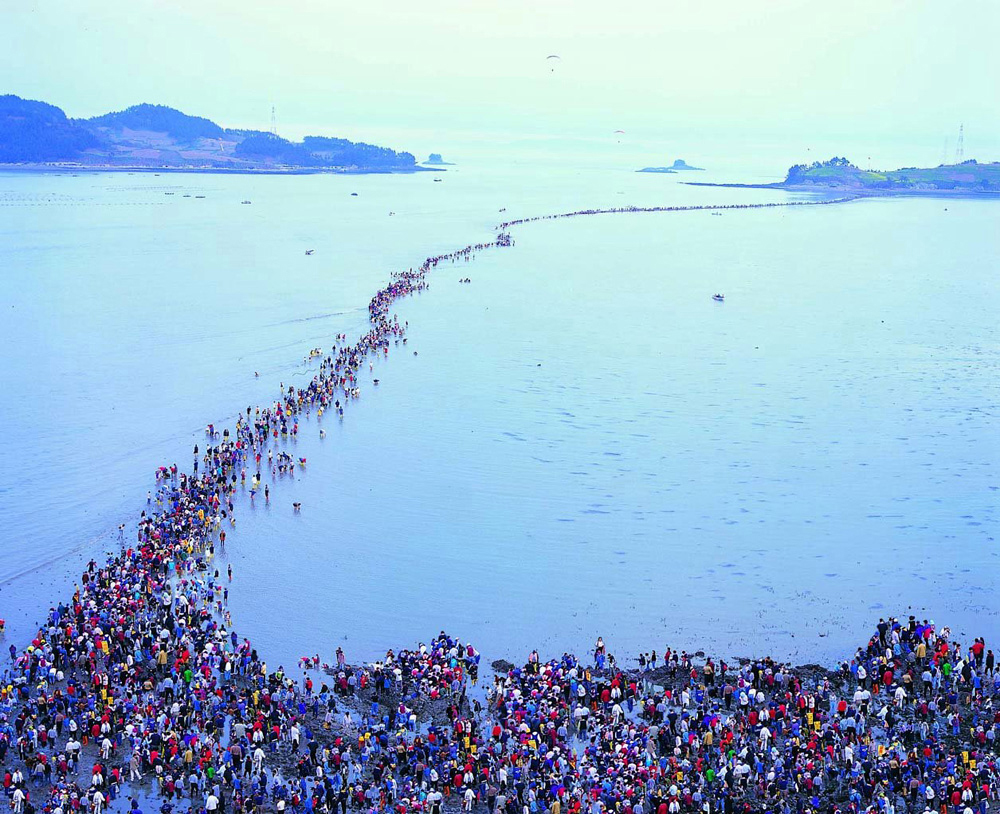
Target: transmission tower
<point>274,122</point>
<point>960,147</point>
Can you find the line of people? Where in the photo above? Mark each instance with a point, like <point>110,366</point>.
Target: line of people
<point>503,227</point>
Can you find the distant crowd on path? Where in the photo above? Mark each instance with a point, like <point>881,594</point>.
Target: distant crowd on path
<point>693,208</point>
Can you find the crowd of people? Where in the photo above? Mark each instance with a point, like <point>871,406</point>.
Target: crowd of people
<point>908,724</point>
<point>139,683</point>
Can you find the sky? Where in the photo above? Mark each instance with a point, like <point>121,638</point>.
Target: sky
<point>894,76</point>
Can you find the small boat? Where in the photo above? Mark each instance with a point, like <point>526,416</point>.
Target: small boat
<point>354,194</point>
<point>199,196</point>
<point>719,297</point>
<point>245,202</point>
<point>310,251</point>
<point>437,180</point>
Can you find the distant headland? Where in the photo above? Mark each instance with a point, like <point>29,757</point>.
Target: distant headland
<point>37,135</point>
<point>840,175</point>
<point>436,160</point>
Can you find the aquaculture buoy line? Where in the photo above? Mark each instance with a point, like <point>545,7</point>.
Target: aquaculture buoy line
<point>141,672</point>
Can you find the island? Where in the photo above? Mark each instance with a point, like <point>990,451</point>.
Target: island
<point>840,175</point>
<point>437,161</point>
<point>681,164</point>
<point>37,135</point>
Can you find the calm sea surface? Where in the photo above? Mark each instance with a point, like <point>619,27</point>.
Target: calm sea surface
<point>586,443</point>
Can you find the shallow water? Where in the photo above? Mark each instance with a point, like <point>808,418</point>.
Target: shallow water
<point>586,443</point>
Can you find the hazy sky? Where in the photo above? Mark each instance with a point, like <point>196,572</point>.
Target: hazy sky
<point>783,69</point>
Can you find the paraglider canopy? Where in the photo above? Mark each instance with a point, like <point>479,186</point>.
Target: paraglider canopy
<point>553,56</point>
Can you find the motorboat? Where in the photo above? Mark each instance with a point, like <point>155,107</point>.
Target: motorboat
<point>719,297</point>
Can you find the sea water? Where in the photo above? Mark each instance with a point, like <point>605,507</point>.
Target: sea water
<point>579,442</point>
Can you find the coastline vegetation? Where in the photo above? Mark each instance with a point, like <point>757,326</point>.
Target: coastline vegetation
<point>840,173</point>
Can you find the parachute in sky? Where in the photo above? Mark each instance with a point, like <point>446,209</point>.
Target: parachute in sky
<point>551,57</point>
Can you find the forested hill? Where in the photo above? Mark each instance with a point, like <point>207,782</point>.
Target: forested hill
<point>157,136</point>
<point>35,131</point>
<point>159,119</point>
